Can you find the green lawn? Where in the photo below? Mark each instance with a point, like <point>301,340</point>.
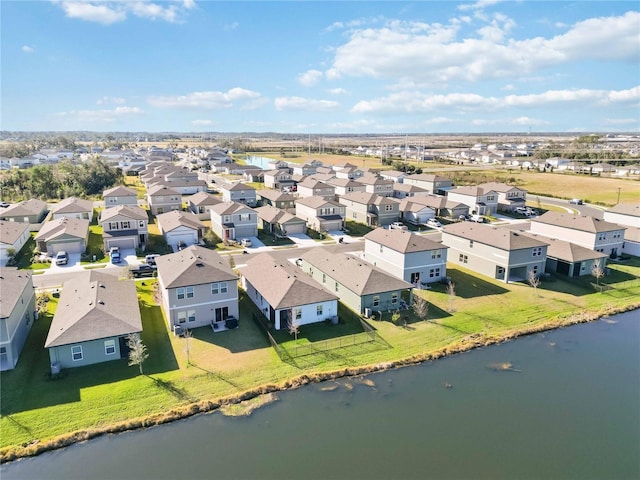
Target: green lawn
<point>35,408</point>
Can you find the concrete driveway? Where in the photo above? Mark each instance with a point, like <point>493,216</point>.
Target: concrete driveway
<point>302,239</point>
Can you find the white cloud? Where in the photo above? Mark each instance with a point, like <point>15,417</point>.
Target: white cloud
<point>310,77</point>
<point>231,26</point>
<point>299,103</point>
<point>109,12</point>
<point>27,49</point>
<point>202,123</point>
<point>526,121</point>
<point>620,121</point>
<point>479,5</point>
<point>205,100</point>
<point>338,91</point>
<point>110,100</point>
<point>101,116</point>
<point>105,14</point>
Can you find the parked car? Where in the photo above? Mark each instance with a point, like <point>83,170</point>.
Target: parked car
<point>432,222</point>
<point>245,242</point>
<point>151,258</point>
<point>477,218</point>
<point>398,226</point>
<point>463,218</point>
<point>62,258</point>
<point>142,270</point>
<point>576,201</point>
<point>4,204</point>
<point>181,245</point>
<point>114,253</point>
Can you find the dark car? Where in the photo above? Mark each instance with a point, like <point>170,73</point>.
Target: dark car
<point>142,270</point>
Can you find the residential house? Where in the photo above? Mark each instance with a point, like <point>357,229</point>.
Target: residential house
<point>280,222</point>
<point>95,314</point>
<point>180,229</point>
<point>278,179</point>
<point>320,214</point>
<point>343,186</point>
<point>186,187</point>
<point>371,209</point>
<point>238,192</point>
<point>627,214</point>
<point>65,234</point>
<point>275,198</point>
<point>73,207</point>
<point>315,188</point>
<point>404,190</point>
<point>415,212</point>
<point>439,204</point>
<point>119,195</point>
<point>285,294</point>
<point>436,184</point>
<point>509,196</point>
<point>631,245</point>
<point>253,173</point>
<point>482,201</point>
<point>13,236</point>
<point>306,169</point>
<point>124,226</point>
<point>412,257</point>
<point>377,185</point>
<point>17,313</point>
<point>233,220</point>
<point>496,252</point>
<point>32,211</point>
<point>393,175</point>
<point>162,199</point>
<point>361,286</point>
<point>198,288</point>
<point>593,233</point>
<point>200,204</point>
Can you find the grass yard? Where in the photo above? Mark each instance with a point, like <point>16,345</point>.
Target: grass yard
<point>212,366</point>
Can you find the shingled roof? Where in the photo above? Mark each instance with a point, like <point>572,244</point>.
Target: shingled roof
<point>498,237</point>
<point>194,265</point>
<point>402,241</point>
<point>12,283</point>
<point>583,223</point>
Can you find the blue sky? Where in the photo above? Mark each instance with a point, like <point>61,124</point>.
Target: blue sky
<point>320,67</point>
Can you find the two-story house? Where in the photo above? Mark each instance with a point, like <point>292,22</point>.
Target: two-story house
<point>198,288</point>
<point>285,294</point>
<point>593,233</point>
<point>509,197</point>
<point>310,187</point>
<point>404,190</point>
<point>200,204</point>
<point>124,226</point>
<point>342,186</point>
<point>17,313</point>
<point>628,215</point>
<point>119,195</point>
<point>480,200</point>
<point>414,258</point>
<point>497,252</point>
<point>279,178</point>
<point>73,207</point>
<point>280,222</point>
<point>394,175</point>
<point>275,198</point>
<point>180,229</point>
<point>376,185</point>
<point>238,192</point>
<point>162,199</point>
<point>435,184</point>
<point>320,214</point>
<point>371,209</point>
<point>233,220</point>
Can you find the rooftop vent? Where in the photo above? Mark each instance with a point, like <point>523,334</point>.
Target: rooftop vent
<point>101,302</point>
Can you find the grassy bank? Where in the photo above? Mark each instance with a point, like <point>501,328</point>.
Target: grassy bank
<point>39,413</point>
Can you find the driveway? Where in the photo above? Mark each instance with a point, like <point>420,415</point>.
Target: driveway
<point>302,239</point>
<point>72,264</point>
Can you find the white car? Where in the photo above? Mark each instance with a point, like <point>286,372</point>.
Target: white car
<point>432,222</point>
<point>398,226</point>
<point>245,242</point>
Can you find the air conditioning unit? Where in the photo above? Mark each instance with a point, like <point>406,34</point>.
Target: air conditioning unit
<point>367,312</point>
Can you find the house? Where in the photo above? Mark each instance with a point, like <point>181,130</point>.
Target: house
<point>186,187</point>
<point>233,220</point>
<point>436,184</point>
<point>568,258</point>
<point>119,195</point>
<point>495,252</point>
<point>592,233</point>
<point>163,199</point>
<point>280,222</point>
<point>377,185</point>
<point>238,192</point>
<point>371,209</point>
<point>275,198</point>
<point>627,214</point>
<point>17,313</point>
<point>65,234</point>
<point>414,258</point>
<point>13,236</point>
<point>342,186</point>
<point>73,207</point>
<point>509,196</point>
<point>439,204</point>
<point>361,286</point>
<point>415,212</point>
<point>631,245</point>
<point>278,179</point>
<point>480,200</point>
<point>285,294</point>
<point>198,288</point>
<point>306,169</point>
<point>124,226</point>
<point>200,204</point>
<point>180,229</point>
<point>404,190</point>
<point>393,175</point>
<point>320,214</point>
<point>32,211</point>
<point>95,314</point>
<point>310,187</point>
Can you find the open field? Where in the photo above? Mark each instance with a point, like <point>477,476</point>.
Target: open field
<point>36,408</point>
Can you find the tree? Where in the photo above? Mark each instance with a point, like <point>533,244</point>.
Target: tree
<point>420,307</point>
<point>451,291</point>
<point>188,335</point>
<point>534,281</point>
<point>598,272</point>
<point>11,256</point>
<point>137,351</point>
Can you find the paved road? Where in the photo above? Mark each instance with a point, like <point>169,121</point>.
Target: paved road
<point>589,210</point>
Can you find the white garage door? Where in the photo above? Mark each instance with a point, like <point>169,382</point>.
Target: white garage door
<point>121,242</point>
<point>188,239</point>
<point>69,247</point>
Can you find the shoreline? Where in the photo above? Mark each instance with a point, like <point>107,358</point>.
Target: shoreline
<point>470,342</point>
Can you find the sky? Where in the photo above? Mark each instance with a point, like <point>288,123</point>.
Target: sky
<point>332,67</point>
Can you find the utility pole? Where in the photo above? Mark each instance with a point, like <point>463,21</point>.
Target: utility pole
<point>618,195</point>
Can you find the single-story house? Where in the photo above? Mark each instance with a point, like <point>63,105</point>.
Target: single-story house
<point>280,222</point>
<point>65,234</point>
<point>180,228</point>
<point>73,207</point>
<point>13,236</point>
<point>32,211</point>
<point>17,313</point>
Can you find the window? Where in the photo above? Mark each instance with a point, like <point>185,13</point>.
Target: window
<point>297,313</point>
<point>436,254</point>
<point>319,310</point>
<point>388,208</point>
<point>602,236</point>
<point>434,272</point>
<point>617,234</point>
<point>376,300</point>
<point>535,270</point>
<point>380,248</point>
<point>324,277</point>
<point>218,287</point>
<point>182,317</point>
<point>490,198</point>
<point>415,277</point>
<point>191,315</point>
<point>537,251</point>
<point>109,347</point>
<point>76,353</point>
<point>180,293</point>
<point>126,225</point>
<point>394,298</point>
<point>500,270</point>
<point>463,258</point>
<point>245,217</point>
<point>336,286</point>
<point>189,291</point>
<point>141,224</point>
<point>113,225</point>
<point>3,350</point>
<point>227,219</point>
<point>470,243</point>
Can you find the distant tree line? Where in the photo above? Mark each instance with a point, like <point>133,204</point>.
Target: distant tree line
<point>582,155</point>
<point>58,181</point>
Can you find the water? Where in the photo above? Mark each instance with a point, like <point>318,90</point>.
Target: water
<point>258,161</point>
<point>572,410</point>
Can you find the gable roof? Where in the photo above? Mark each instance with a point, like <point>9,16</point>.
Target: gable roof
<point>195,265</point>
<point>74,227</point>
<point>567,251</point>
<point>120,191</point>
<point>228,208</point>
<point>472,191</point>
<point>174,219</point>
<point>10,232</point>
<point>73,205</point>
<point>316,202</point>
<point>499,187</point>
<point>631,209</point>
<point>275,195</point>
<point>427,177</point>
<point>360,277</point>
<point>402,241</point>
<point>204,198</point>
<point>13,281</point>
<point>282,284</point>
<point>33,206</point>
<point>94,305</point>
<point>408,188</point>
<point>160,189</point>
<point>583,223</point>
<point>498,237</point>
<point>232,187</point>
<point>272,214</point>
<point>129,211</point>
